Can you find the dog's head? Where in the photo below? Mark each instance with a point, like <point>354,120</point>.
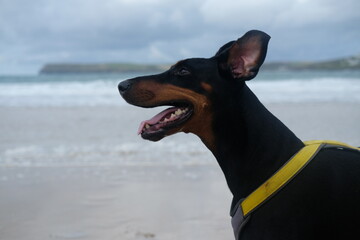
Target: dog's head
<point>192,85</point>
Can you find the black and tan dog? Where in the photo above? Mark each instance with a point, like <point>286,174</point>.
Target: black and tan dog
<point>209,97</point>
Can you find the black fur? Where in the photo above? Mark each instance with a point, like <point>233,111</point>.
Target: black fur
<point>250,144</point>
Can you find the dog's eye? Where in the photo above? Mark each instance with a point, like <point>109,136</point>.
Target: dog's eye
<point>182,72</point>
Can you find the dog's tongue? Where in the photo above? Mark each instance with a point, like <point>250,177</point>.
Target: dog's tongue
<point>156,118</point>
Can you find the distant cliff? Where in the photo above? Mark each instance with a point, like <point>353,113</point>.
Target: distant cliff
<point>350,63</point>
<point>69,68</point>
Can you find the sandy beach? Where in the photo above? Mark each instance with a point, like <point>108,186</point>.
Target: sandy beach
<point>83,173</point>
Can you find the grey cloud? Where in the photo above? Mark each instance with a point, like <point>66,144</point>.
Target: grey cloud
<point>39,31</point>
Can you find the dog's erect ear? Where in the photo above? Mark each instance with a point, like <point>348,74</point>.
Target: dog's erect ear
<point>224,48</point>
<point>242,59</point>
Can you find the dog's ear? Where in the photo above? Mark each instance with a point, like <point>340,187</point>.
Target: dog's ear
<point>242,59</point>
<point>224,48</point>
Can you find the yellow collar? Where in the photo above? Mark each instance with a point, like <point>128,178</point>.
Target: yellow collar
<point>287,172</point>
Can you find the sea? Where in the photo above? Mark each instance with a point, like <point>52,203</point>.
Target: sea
<point>100,90</point>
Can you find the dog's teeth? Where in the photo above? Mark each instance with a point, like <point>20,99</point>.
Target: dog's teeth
<point>172,115</point>
<point>147,126</point>
<point>178,112</point>
<point>166,119</point>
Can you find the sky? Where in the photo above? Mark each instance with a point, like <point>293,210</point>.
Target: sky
<point>36,32</point>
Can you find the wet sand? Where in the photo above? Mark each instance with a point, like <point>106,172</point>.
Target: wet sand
<point>62,174</point>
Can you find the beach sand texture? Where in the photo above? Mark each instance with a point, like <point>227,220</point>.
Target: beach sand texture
<point>82,173</point>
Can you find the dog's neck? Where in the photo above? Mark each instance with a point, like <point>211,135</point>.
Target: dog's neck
<point>251,143</point>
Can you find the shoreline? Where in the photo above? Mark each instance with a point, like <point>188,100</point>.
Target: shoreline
<point>106,135</point>
<point>115,203</point>
<point>83,173</point>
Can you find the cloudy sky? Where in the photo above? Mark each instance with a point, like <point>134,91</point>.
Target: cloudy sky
<point>35,32</point>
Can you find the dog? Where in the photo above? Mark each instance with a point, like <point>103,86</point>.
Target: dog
<point>209,97</point>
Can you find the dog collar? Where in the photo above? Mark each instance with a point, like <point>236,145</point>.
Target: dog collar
<point>286,173</point>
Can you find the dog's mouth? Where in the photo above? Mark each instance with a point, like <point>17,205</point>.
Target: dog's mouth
<point>160,125</point>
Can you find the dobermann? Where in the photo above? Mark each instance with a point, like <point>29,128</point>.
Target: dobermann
<point>209,97</point>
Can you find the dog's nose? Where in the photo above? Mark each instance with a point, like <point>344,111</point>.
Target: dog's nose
<point>124,86</point>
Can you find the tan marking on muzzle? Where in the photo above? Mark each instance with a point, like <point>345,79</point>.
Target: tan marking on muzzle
<point>152,93</point>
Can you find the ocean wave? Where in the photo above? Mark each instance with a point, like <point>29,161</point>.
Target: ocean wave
<point>311,90</point>
<point>91,93</point>
<point>97,91</point>
<point>129,153</point>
